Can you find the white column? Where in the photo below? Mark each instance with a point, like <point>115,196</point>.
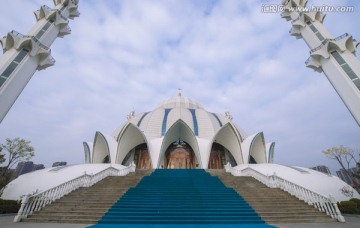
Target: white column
<point>24,54</point>
<point>333,56</point>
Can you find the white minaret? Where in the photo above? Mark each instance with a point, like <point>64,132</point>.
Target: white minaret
<point>333,56</point>
<point>24,54</point>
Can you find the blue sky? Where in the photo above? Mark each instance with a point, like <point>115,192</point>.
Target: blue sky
<point>227,55</point>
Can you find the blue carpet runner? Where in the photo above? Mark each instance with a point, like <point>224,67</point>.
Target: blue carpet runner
<point>181,198</point>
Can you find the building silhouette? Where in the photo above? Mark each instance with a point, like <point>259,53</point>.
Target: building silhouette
<point>26,167</point>
<point>322,168</point>
<point>343,175</point>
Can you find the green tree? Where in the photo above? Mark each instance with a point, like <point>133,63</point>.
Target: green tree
<point>14,151</point>
<point>345,156</point>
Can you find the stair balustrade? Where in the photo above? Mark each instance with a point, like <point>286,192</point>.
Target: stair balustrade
<point>32,203</point>
<point>322,203</point>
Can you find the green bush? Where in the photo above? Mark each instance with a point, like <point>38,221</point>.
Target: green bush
<point>9,206</point>
<point>350,207</point>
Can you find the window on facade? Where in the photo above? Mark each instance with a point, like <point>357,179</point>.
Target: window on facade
<point>346,68</point>
<point>196,130</point>
<point>43,29</point>
<point>314,29</point>
<point>12,66</point>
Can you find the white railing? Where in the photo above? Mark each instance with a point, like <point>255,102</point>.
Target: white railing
<point>32,203</point>
<point>322,203</point>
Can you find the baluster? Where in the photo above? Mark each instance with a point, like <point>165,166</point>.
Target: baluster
<point>286,186</point>
<point>51,196</point>
<point>322,204</point>
<point>33,204</point>
<point>292,188</point>
<point>40,200</point>
<point>338,215</point>
<point>296,191</point>
<point>307,196</point>
<point>23,208</point>
<point>316,202</point>
<point>330,209</point>
<point>300,193</point>
<point>55,194</point>
<point>46,197</point>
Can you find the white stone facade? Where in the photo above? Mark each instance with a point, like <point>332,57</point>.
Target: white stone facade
<point>179,118</point>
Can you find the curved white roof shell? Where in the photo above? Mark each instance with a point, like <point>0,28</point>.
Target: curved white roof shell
<point>177,118</point>
<point>44,179</point>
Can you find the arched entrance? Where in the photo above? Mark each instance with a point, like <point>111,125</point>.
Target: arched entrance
<point>179,155</point>
<point>140,155</point>
<point>219,157</point>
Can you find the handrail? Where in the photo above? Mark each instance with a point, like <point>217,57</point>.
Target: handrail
<point>32,203</point>
<point>322,203</point>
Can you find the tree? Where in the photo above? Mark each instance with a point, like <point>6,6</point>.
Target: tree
<point>16,150</point>
<point>357,174</point>
<point>2,156</point>
<point>345,156</point>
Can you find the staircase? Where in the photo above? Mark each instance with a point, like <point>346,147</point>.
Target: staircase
<point>181,197</point>
<point>87,205</point>
<point>272,204</point>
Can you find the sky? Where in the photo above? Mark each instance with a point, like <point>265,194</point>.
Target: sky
<point>227,55</point>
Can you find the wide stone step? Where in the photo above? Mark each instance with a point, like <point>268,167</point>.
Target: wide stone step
<point>181,197</point>
<point>64,209</point>
<point>57,220</point>
<point>172,221</point>
<point>67,216</point>
<point>86,205</point>
<point>313,221</point>
<point>273,205</point>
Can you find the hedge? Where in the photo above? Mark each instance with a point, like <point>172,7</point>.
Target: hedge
<point>350,207</point>
<point>9,206</point>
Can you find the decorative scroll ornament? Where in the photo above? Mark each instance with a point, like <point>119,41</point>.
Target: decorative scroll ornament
<point>347,191</point>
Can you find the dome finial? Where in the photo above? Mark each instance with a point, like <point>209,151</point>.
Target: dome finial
<point>179,92</point>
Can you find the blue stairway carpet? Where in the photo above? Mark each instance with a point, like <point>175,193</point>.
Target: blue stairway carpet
<point>181,198</point>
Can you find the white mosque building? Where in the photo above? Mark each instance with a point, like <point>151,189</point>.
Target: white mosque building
<point>179,133</point>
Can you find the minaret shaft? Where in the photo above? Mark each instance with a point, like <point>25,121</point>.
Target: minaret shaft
<point>333,56</point>
<point>24,54</point>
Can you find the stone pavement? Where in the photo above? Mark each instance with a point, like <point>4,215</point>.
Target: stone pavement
<point>6,221</point>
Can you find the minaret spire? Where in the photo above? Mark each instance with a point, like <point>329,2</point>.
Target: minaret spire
<point>333,56</point>
<point>24,54</point>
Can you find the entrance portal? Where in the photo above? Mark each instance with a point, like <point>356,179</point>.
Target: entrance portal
<point>219,157</point>
<point>179,155</point>
<point>140,155</point>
